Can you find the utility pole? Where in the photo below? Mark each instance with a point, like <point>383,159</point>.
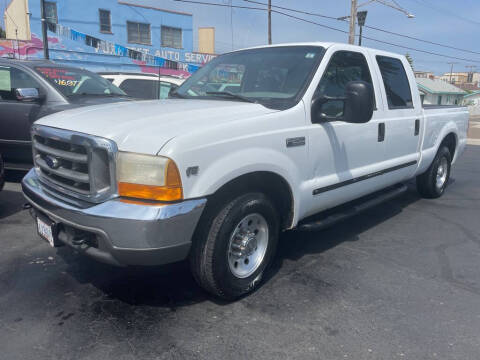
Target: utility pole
<point>353,17</point>
<point>451,69</point>
<point>471,70</point>
<point>269,22</point>
<point>46,54</point>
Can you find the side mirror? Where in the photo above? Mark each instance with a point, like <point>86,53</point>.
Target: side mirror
<point>357,107</point>
<point>360,102</point>
<point>27,94</point>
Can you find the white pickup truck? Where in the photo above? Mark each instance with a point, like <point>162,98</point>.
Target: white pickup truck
<point>308,134</point>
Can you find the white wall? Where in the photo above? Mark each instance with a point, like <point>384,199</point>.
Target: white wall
<point>432,99</point>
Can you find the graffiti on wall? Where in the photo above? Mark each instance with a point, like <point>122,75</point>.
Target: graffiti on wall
<point>77,49</point>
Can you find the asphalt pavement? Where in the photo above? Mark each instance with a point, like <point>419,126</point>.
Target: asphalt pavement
<point>401,281</point>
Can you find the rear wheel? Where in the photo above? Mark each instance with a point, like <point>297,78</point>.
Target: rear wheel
<point>235,246</point>
<point>433,182</point>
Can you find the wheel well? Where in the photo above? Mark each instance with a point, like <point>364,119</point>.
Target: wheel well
<point>450,141</point>
<point>271,184</point>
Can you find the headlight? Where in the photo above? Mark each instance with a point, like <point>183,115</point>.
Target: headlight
<point>148,177</point>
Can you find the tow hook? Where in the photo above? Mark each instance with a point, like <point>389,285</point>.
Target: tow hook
<point>30,209</point>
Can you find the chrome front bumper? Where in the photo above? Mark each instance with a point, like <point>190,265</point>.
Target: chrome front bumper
<point>119,233</point>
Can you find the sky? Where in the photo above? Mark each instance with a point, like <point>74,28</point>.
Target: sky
<point>454,23</point>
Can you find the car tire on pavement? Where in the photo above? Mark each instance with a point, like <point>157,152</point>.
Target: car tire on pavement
<point>231,253</point>
<point>432,183</point>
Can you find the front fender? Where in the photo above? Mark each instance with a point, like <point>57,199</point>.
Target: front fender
<point>233,165</point>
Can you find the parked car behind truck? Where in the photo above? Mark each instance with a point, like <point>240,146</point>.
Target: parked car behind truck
<point>143,86</point>
<point>32,89</point>
<point>215,176</point>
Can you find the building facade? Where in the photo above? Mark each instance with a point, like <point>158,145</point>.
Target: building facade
<point>104,35</point>
<point>461,77</point>
<point>439,92</point>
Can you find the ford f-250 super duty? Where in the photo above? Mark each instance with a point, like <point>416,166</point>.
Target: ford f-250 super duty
<point>309,134</point>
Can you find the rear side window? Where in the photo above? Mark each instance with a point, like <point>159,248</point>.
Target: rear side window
<point>147,89</point>
<point>397,87</point>
<point>140,88</point>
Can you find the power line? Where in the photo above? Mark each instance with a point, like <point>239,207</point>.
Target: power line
<point>335,29</point>
<point>445,11</point>
<point>370,27</point>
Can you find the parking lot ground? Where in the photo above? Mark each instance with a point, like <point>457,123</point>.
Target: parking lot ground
<point>474,131</point>
<point>401,281</point>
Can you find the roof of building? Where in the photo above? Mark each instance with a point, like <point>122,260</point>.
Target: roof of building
<point>153,8</point>
<point>438,87</point>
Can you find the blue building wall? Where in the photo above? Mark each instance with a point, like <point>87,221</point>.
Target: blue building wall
<point>83,16</point>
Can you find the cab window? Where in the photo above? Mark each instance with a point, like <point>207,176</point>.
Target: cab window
<point>344,66</point>
<point>395,80</point>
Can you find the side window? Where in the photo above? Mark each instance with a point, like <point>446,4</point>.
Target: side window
<point>344,66</point>
<point>12,79</point>
<point>165,88</point>
<point>395,80</point>
<point>140,88</point>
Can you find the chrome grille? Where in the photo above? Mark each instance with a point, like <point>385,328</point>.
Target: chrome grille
<point>74,164</point>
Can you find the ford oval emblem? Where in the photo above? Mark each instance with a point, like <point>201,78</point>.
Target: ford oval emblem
<point>52,162</point>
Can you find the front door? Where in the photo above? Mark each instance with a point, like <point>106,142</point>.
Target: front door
<point>344,156</point>
<point>16,116</point>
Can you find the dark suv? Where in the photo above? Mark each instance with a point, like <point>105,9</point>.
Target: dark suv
<point>30,90</point>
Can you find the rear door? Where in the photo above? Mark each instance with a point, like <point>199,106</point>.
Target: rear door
<point>16,116</point>
<point>402,114</point>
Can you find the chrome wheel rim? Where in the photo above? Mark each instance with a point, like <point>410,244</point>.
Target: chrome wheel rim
<point>442,172</point>
<point>248,245</point>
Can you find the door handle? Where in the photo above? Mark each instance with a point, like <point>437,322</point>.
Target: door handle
<point>417,127</point>
<point>381,132</point>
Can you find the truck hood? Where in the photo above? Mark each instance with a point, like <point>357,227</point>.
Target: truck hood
<point>145,126</point>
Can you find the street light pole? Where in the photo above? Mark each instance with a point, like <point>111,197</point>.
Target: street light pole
<point>269,22</point>
<point>361,17</point>
<point>46,54</point>
<point>353,17</point>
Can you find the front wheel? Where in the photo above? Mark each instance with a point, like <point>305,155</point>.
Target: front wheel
<point>433,182</point>
<point>230,255</point>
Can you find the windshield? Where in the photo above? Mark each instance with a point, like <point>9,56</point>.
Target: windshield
<point>275,77</point>
<point>77,82</point>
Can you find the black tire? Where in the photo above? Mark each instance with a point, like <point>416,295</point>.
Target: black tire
<point>427,182</point>
<point>209,253</point>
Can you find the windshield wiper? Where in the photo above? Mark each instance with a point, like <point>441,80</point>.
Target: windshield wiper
<point>232,95</point>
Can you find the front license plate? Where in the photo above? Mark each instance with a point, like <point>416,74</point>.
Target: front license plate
<point>45,230</point>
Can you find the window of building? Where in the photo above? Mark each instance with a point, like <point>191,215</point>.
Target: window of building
<point>344,66</point>
<point>105,21</point>
<point>171,37</point>
<point>139,33</point>
<point>51,15</point>
<point>396,83</point>
<point>439,100</point>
